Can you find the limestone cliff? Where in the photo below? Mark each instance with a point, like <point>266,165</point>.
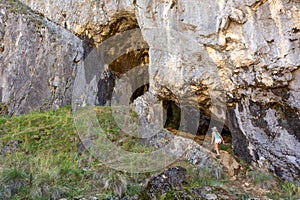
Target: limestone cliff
<point>245,54</point>
<point>235,61</point>
<point>38,60</point>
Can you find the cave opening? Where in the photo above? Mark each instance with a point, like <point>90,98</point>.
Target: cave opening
<point>120,67</point>
<point>173,117</point>
<point>124,63</point>
<point>139,92</point>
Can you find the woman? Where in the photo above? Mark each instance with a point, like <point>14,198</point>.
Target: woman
<point>217,139</point>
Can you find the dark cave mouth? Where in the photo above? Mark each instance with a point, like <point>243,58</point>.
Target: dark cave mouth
<point>126,50</point>
<point>120,67</point>
<point>139,92</point>
<point>174,121</point>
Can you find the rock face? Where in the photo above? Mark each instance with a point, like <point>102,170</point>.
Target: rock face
<point>224,52</point>
<point>38,60</point>
<point>97,20</point>
<point>165,182</point>
<point>235,62</point>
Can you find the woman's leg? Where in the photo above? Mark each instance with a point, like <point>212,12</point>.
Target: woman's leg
<point>217,148</point>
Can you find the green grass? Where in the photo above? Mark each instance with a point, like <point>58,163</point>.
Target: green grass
<point>226,147</point>
<point>112,124</point>
<point>207,176</point>
<point>262,179</point>
<point>278,189</point>
<point>290,191</point>
<point>47,163</point>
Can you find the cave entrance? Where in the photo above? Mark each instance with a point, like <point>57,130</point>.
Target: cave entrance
<point>204,123</point>
<point>139,92</point>
<point>118,68</point>
<point>124,63</point>
<point>173,117</point>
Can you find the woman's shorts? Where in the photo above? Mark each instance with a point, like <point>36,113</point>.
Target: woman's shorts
<point>218,141</point>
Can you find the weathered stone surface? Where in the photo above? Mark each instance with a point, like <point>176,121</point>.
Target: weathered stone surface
<point>272,135</point>
<point>38,60</point>
<point>9,147</point>
<point>230,163</point>
<point>236,61</point>
<point>171,179</point>
<point>252,64</point>
<point>95,19</point>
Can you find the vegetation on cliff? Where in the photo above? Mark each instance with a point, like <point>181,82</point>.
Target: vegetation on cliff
<point>41,157</point>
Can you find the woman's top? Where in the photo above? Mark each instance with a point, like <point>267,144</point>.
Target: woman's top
<point>217,135</point>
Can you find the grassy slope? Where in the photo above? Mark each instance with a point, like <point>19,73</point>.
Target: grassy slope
<point>46,159</point>
<point>47,163</point>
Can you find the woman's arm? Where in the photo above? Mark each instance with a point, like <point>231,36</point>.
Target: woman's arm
<point>222,139</point>
<point>212,137</point>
